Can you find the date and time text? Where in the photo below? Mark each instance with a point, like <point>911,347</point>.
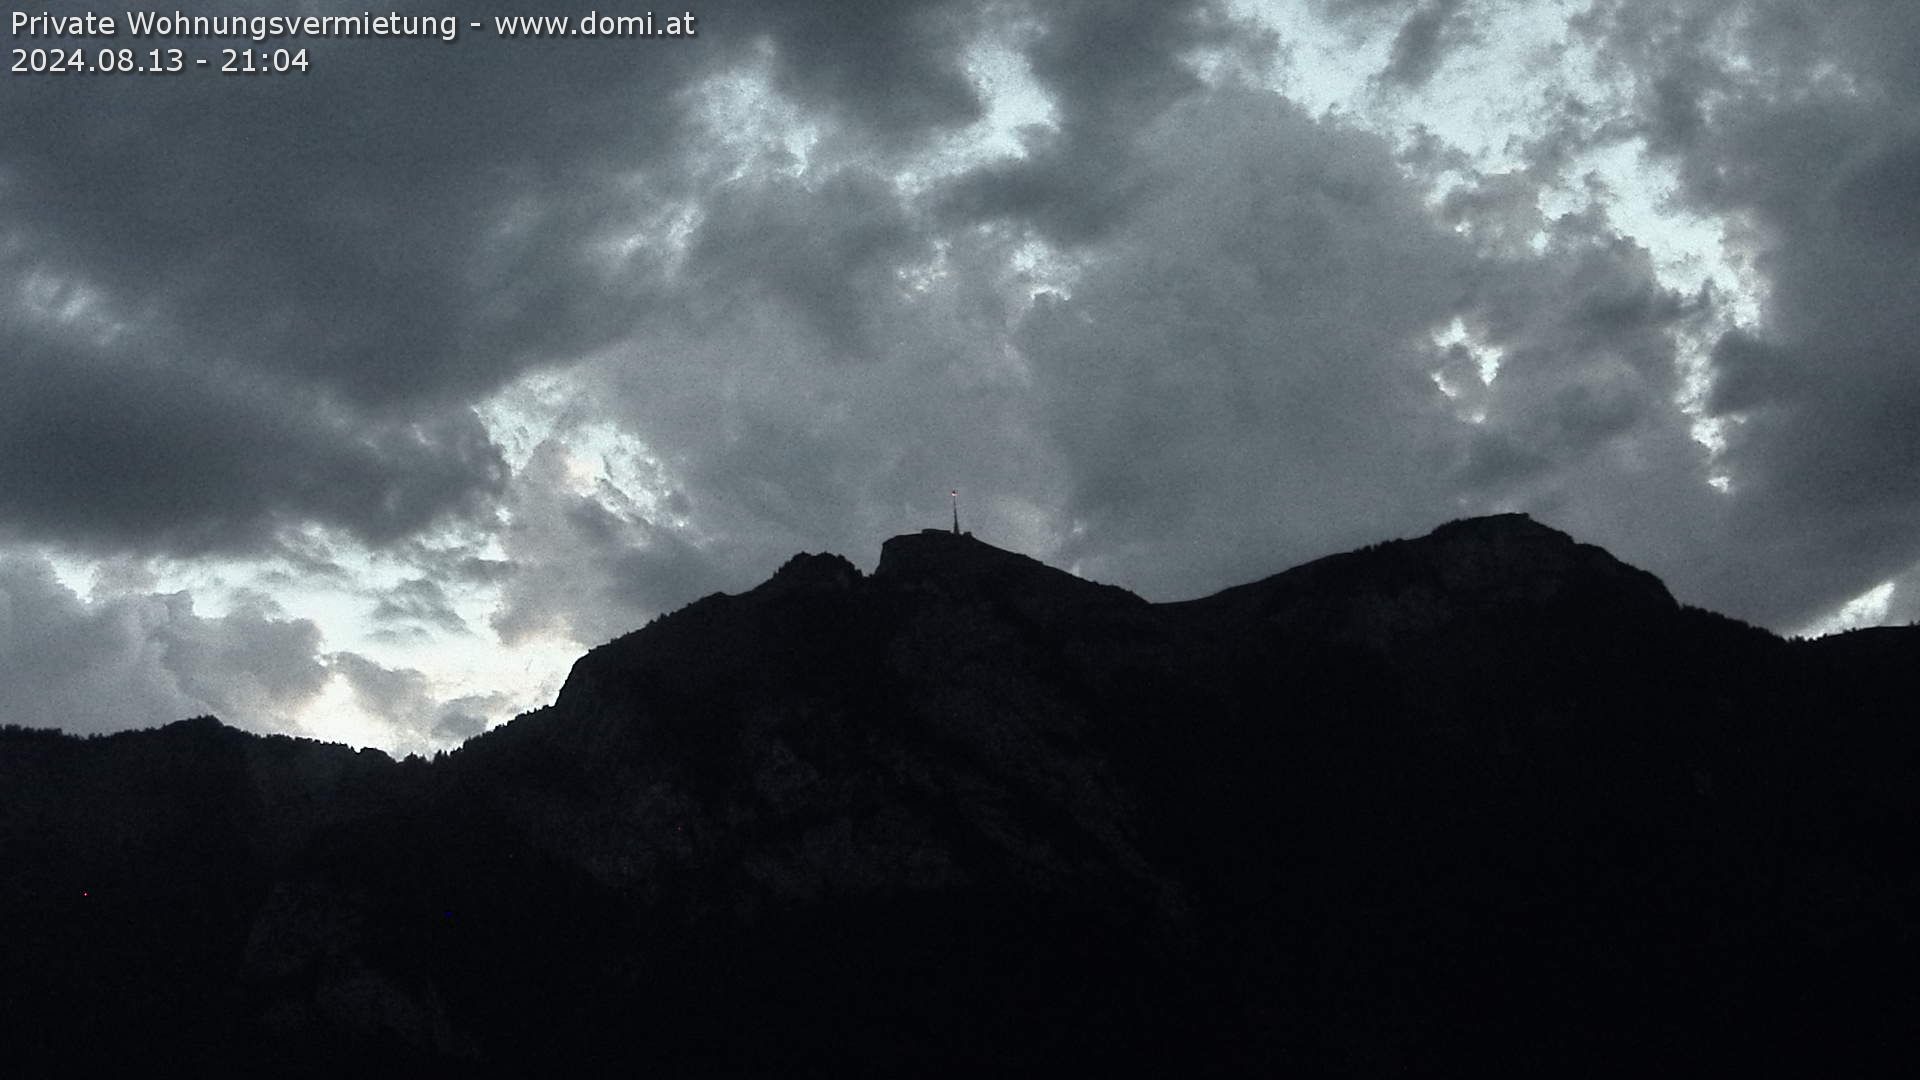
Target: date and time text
<point>91,43</point>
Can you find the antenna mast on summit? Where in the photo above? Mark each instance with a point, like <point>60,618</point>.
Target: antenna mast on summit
<point>955,494</point>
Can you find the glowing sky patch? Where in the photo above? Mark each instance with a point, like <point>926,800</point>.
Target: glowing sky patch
<point>1868,609</point>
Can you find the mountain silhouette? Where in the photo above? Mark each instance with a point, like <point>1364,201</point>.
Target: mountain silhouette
<point>1485,800</point>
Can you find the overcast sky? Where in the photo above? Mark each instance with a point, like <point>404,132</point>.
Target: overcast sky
<point>357,403</point>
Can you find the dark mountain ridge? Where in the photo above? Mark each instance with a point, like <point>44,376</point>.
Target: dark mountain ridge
<point>1484,799</point>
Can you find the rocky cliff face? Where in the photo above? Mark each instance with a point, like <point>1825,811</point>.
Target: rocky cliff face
<point>1485,796</point>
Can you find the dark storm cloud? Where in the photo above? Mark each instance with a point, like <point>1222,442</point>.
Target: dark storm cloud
<point>141,660</point>
<point>894,66</point>
<point>106,447</point>
<point>1109,70</point>
<point>1238,376</point>
<point>419,603</point>
<point>1248,345</point>
<point>776,441</point>
<point>231,304</point>
<point>356,224</point>
<point>1812,141</point>
<point>1242,373</point>
<point>1422,42</point>
<point>1581,424</point>
<point>461,720</point>
<point>590,566</point>
<point>384,691</point>
<point>403,700</point>
<point>242,307</point>
<point>238,306</point>
<point>827,251</point>
<point>481,571</point>
<point>1369,9</point>
<point>245,665</point>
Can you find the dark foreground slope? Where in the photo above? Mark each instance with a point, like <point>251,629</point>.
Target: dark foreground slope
<point>1486,800</point>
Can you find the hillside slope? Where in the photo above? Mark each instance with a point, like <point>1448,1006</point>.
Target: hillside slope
<point>1486,798</point>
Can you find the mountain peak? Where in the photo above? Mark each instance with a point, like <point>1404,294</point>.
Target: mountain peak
<point>937,550</point>
<point>1510,523</point>
<point>807,573</point>
<point>1512,557</point>
<point>1500,567</point>
<point>939,561</point>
